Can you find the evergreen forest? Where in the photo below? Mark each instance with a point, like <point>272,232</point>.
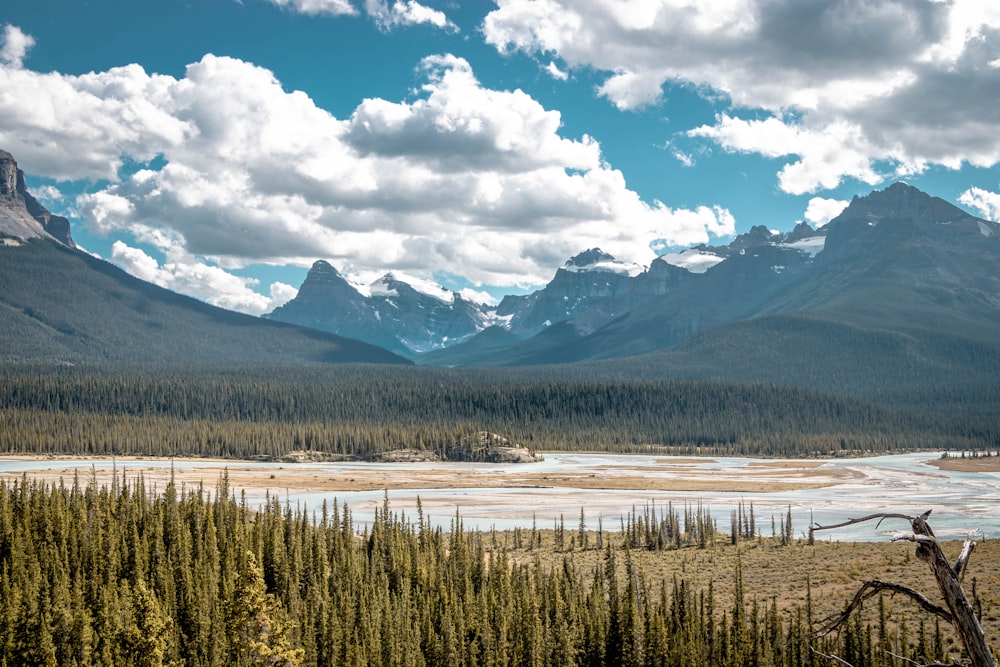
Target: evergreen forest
<point>358,411</point>
<point>122,576</point>
<point>131,575</point>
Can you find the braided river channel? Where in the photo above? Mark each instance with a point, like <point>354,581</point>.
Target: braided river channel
<point>599,489</point>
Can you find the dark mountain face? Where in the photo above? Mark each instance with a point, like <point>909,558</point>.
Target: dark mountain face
<point>393,314</point>
<point>326,301</point>
<point>584,282</point>
<point>60,305</point>
<point>905,283</point>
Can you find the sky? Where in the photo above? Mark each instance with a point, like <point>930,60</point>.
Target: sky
<point>219,147</point>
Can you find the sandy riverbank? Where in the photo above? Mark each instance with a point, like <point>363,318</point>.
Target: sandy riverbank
<point>662,475</point>
<point>968,464</point>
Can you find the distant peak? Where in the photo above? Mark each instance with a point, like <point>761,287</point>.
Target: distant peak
<point>596,259</point>
<point>896,191</point>
<point>388,279</point>
<point>322,266</point>
<point>902,201</point>
<point>589,258</point>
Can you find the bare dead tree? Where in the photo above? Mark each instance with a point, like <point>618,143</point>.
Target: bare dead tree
<point>957,610</point>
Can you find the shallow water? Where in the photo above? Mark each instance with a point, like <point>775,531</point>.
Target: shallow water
<point>899,484</point>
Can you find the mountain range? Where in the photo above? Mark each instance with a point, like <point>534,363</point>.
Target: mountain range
<point>896,299</point>
<point>61,305</point>
<point>899,295</point>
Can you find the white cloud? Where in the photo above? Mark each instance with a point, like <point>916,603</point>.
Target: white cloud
<point>629,90</point>
<point>985,202</point>
<point>48,194</point>
<point>16,45</point>
<point>386,15</point>
<point>186,274</point>
<point>458,178</point>
<point>406,13</point>
<point>314,7</point>
<point>556,73</point>
<point>826,155</point>
<point>685,159</point>
<point>898,83</point>
<point>821,211</point>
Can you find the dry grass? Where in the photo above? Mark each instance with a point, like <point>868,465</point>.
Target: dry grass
<point>833,571</point>
<point>969,464</point>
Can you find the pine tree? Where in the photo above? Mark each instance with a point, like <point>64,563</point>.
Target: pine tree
<point>258,631</point>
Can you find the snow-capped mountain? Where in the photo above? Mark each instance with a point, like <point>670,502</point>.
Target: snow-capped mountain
<point>583,282</point>
<point>405,316</point>
<point>895,260</point>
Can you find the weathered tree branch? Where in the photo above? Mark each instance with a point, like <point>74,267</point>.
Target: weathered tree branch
<point>870,589</point>
<point>959,612</point>
<point>831,657</point>
<point>963,558</point>
<point>917,664</point>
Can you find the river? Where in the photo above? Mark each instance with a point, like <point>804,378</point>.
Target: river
<point>825,492</point>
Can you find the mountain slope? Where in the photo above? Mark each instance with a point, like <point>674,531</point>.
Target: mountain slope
<point>897,259</point>
<point>897,299</point>
<point>390,312</point>
<point>58,304</point>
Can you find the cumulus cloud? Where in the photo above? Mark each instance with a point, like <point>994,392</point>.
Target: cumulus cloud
<point>985,202</point>
<point>387,15</point>
<point>327,7</point>
<point>16,45</point>
<point>556,73</point>
<point>184,273</point>
<point>821,211</point>
<point>406,13</point>
<point>826,155</point>
<point>458,178</point>
<point>851,83</point>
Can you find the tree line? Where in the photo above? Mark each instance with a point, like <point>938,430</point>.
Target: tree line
<point>361,411</point>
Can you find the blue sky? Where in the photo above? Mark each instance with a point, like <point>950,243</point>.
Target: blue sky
<point>218,147</point>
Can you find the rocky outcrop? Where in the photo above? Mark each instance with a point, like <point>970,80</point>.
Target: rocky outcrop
<point>21,215</point>
<point>390,313</point>
<point>582,283</point>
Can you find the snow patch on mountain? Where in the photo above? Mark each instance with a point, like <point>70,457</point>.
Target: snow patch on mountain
<point>385,287</point>
<point>692,259</point>
<point>810,246</point>
<point>612,266</point>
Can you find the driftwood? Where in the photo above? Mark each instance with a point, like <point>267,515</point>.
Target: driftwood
<point>957,610</point>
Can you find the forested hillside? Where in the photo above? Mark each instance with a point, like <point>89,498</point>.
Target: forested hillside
<point>115,576</point>
<point>361,411</point>
<point>62,306</point>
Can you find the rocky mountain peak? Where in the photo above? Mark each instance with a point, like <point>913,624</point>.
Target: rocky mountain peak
<point>589,258</point>
<point>904,202</point>
<point>801,231</point>
<point>8,175</point>
<point>322,266</point>
<point>21,215</point>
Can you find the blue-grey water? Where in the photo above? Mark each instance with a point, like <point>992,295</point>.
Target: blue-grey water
<point>904,483</point>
